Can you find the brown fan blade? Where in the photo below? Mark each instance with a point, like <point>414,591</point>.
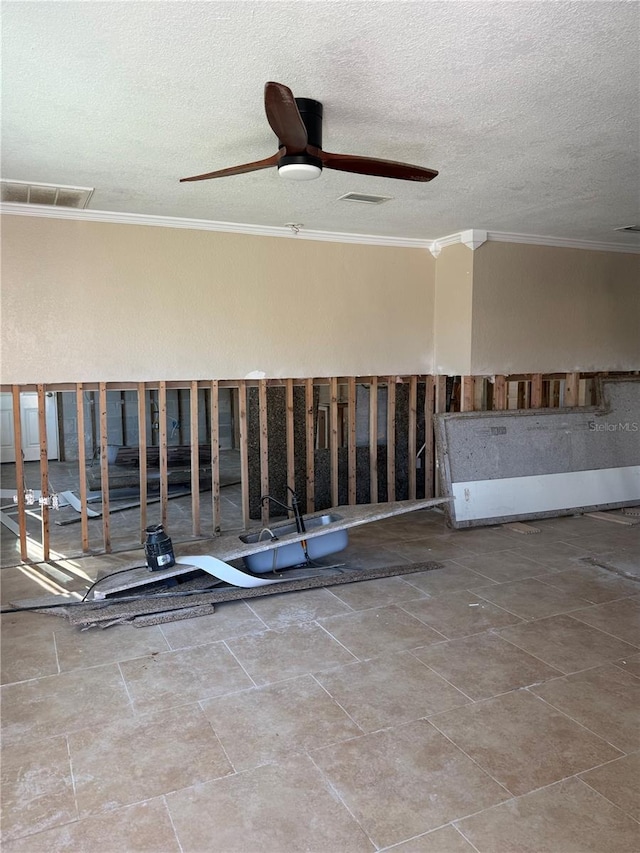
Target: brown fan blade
<point>372,166</point>
<point>284,117</point>
<point>239,170</point>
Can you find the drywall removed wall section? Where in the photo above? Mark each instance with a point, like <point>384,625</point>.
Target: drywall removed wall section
<point>510,466</point>
<point>138,303</point>
<point>548,309</point>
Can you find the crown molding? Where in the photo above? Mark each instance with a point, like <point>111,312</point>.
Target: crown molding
<point>562,242</point>
<point>472,238</point>
<point>15,209</point>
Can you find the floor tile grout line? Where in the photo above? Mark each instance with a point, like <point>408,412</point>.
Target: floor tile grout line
<point>173,826</point>
<point>267,627</point>
<point>604,796</point>
<point>219,740</point>
<point>595,628</point>
<point>339,704</point>
<point>55,648</point>
<point>582,726</point>
<point>479,766</point>
<point>73,778</point>
<point>239,662</point>
<point>341,800</point>
<point>126,687</point>
<point>444,678</point>
<point>335,639</point>
<point>464,636</point>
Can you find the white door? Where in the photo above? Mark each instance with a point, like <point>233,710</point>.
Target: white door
<point>29,425</point>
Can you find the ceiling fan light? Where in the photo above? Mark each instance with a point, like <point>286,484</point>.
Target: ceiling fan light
<point>299,171</point>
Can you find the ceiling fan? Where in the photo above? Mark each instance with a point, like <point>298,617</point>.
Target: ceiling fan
<point>297,122</point>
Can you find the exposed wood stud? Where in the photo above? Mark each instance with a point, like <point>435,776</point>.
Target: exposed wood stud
<point>351,407</point>
<point>310,445</point>
<point>413,438</point>
<point>104,466</point>
<point>195,459</point>
<point>17,439</point>
<point>333,429</point>
<point>142,457</point>
<point>373,440</point>
<point>264,449</point>
<point>164,458</point>
<point>214,421</point>
<point>441,394</point>
<point>467,393</point>
<point>500,393</point>
<point>571,389</point>
<point>391,438</point>
<point>536,390</point>
<point>44,469</point>
<point>244,451</point>
<point>82,468</point>
<point>429,404</point>
<point>290,435</point>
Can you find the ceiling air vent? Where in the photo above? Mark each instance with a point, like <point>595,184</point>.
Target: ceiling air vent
<point>365,199</point>
<point>23,192</point>
<point>633,228</point>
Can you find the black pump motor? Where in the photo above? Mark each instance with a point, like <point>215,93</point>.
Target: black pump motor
<point>158,549</point>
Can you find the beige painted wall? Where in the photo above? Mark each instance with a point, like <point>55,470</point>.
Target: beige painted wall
<point>453,310</point>
<point>545,309</point>
<point>86,301</point>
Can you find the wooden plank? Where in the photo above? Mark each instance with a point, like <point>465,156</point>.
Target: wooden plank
<point>104,466</point>
<point>244,451</point>
<point>142,457</point>
<point>164,458</point>
<point>572,389</point>
<point>391,438</point>
<point>373,440</point>
<point>413,437</point>
<point>429,461</point>
<point>500,393</point>
<point>264,449</point>
<point>82,467</point>
<point>214,419</point>
<point>467,393</point>
<point>441,394</point>
<point>351,444</point>
<point>536,391</point>
<point>333,440</point>
<point>310,446</point>
<point>195,459</point>
<point>17,439</point>
<point>44,470</point>
<point>289,435</point>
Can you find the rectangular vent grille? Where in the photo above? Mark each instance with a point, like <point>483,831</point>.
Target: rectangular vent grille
<point>23,192</point>
<point>365,199</point>
<point>633,228</point>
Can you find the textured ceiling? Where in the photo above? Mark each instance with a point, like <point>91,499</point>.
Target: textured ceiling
<point>529,110</point>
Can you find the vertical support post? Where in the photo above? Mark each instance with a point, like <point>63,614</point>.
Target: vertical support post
<point>429,402</point>
<point>413,438</point>
<point>467,393</point>
<point>264,449</point>
<point>391,438</point>
<point>333,417</point>
<point>244,451</point>
<point>214,431</point>
<point>373,440</point>
<point>104,466</point>
<point>500,393</point>
<point>536,391</point>
<point>82,467</point>
<point>289,435</point>
<point>17,438</point>
<point>310,446</point>
<point>351,409</point>
<point>164,457</point>
<point>142,457</point>
<point>571,389</point>
<point>195,458</point>
<point>441,407</point>
<point>44,469</point>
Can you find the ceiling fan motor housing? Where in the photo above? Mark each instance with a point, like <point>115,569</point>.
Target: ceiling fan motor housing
<point>311,114</point>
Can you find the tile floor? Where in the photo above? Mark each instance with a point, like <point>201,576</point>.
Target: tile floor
<point>487,706</point>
